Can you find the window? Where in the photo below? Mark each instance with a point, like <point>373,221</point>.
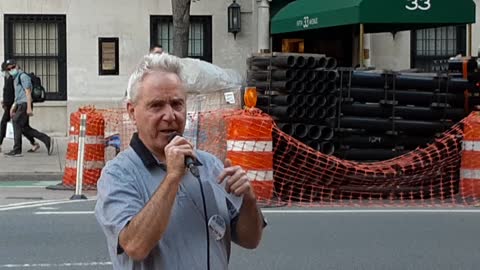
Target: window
<point>108,56</point>
<point>200,40</point>
<point>430,46</point>
<point>38,44</point>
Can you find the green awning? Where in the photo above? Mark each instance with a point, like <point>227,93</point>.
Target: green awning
<point>376,15</point>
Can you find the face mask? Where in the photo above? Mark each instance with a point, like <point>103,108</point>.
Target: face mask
<point>13,72</point>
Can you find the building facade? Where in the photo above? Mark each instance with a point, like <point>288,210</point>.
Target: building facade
<point>408,49</point>
<point>84,51</point>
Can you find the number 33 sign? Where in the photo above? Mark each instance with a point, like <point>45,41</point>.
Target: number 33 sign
<point>418,4</point>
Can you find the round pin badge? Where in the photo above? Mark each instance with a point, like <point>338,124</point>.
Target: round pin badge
<point>217,226</point>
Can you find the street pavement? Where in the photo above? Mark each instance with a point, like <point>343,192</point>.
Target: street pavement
<point>44,229</point>
<point>34,166</point>
<point>65,235</point>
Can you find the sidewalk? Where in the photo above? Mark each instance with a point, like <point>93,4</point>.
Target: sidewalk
<point>34,166</point>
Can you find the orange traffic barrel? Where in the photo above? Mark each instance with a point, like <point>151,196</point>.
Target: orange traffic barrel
<point>94,151</point>
<point>249,145</point>
<point>470,166</point>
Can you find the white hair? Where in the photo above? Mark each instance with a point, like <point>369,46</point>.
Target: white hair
<point>152,62</point>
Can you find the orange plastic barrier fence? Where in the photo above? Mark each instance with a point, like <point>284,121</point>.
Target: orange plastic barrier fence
<point>285,171</point>
<point>250,146</point>
<point>94,158</point>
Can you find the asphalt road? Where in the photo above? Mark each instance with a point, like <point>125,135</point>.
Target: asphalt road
<point>46,237</point>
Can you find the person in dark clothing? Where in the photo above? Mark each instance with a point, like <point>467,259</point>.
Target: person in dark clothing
<point>8,98</point>
<point>22,109</point>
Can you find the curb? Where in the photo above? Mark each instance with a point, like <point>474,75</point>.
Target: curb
<point>31,176</point>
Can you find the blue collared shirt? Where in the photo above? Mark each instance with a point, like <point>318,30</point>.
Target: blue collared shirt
<point>130,180</point>
<point>22,81</point>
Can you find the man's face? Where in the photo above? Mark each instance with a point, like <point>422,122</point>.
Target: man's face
<point>10,68</point>
<point>159,110</point>
<point>157,50</point>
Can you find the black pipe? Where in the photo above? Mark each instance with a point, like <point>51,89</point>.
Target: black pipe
<point>278,61</point>
<point>300,112</point>
<point>321,101</point>
<point>314,132</point>
<point>300,76</point>
<point>300,100</point>
<point>282,112</point>
<point>404,96</point>
<point>311,113</point>
<point>369,154</point>
<point>331,113</point>
<point>332,100</point>
<point>321,62</point>
<point>281,86</point>
<point>406,112</point>
<point>311,100</point>
<point>407,126</point>
<point>328,148</point>
<point>320,87</point>
<point>300,62</point>
<point>382,141</point>
<point>310,62</point>
<point>311,87</point>
<point>320,113</point>
<point>300,87</point>
<point>277,74</point>
<point>311,75</point>
<point>430,83</point>
<point>286,127</point>
<point>264,100</point>
<point>316,145</point>
<point>327,133</point>
<point>321,75</point>
<point>332,75</point>
<point>331,63</point>
<point>300,131</point>
<point>330,86</point>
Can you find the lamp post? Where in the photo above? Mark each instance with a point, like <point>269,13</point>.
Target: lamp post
<point>234,19</point>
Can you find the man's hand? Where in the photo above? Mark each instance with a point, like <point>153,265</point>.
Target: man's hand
<point>29,112</point>
<point>175,153</point>
<point>236,180</point>
<point>12,111</point>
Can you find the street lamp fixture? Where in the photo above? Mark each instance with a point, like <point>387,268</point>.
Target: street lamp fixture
<point>234,19</point>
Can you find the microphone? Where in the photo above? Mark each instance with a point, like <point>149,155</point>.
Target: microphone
<point>190,163</point>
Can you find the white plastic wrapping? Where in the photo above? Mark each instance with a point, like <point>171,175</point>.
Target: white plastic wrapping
<point>209,88</point>
<point>202,77</point>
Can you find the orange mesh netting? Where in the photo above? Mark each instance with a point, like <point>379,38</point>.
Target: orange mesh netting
<point>427,176</point>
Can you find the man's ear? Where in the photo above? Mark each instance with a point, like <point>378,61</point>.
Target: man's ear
<point>131,111</point>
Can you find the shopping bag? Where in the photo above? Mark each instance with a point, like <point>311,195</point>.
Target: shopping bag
<point>9,134</point>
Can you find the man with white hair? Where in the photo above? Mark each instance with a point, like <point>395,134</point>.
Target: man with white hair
<point>154,212</point>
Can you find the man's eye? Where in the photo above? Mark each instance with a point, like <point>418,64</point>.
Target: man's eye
<point>177,105</point>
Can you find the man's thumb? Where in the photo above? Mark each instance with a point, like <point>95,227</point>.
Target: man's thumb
<point>227,163</point>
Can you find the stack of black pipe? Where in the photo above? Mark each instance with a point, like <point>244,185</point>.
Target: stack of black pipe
<point>300,92</point>
<point>383,115</point>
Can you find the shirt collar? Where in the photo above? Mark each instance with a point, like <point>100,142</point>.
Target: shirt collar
<point>145,155</point>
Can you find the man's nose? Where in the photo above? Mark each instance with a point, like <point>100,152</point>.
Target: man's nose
<point>169,114</point>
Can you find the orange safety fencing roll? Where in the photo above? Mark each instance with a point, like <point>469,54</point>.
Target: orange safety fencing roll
<point>94,157</point>
<point>470,166</point>
<point>249,144</point>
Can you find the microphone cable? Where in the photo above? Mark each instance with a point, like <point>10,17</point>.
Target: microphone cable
<point>195,172</point>
<point>190,164</point>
